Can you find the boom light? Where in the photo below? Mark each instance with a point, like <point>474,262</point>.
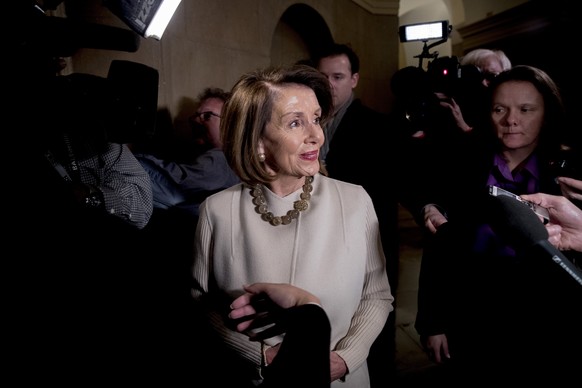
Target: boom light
<point>424,31</point>
<point>149,18</point>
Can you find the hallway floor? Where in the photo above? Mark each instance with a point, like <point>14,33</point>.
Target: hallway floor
<point>412,364</point>
<point>414,369</point>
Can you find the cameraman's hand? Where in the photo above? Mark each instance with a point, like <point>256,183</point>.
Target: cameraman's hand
<point>450,104</point>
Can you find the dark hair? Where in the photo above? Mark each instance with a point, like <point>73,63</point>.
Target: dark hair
<point>247,112</point>
<point>336,49</point>
<point>552,131</point>
<point>213,93</point>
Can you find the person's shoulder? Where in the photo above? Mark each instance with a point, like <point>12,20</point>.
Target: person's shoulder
<point>358,104</point>
<point>145,157</point>
<point>358,109</point>
<point>343,186</point>
<point>221,199</point>
<point>214,152</point>
<point>226,194</point>
<point>349,195</point>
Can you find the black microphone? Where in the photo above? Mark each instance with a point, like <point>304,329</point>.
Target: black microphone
<point>516,222</point>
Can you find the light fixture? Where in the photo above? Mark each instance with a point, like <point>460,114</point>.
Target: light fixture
<point>149,18</point>
<point>424,31</point>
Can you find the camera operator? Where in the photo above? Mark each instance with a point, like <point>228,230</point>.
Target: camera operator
<point>489,63</point>
<point>479,305</point>
<point>100,175</point>
<point>80,201</point>
<point>442,110</point>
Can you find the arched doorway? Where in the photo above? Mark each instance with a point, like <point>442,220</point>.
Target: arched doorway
<point>300,32</point>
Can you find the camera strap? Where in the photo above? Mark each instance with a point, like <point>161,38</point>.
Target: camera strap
<point>60,169</point>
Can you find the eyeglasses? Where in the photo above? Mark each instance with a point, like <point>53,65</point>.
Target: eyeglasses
<point>204,116</point>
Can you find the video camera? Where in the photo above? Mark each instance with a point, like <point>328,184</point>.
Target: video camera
<point>417,104</point>
<point>119,109</point>
<point>415,90</point>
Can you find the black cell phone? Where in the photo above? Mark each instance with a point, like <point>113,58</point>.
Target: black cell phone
<point>539,210</point>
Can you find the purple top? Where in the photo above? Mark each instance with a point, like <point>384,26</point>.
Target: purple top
<point>524,180</point>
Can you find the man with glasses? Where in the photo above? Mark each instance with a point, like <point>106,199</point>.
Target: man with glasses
<point>185,185</point>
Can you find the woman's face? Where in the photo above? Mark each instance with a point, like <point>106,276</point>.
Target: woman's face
<point>517,115</point>
<point>293,136</point>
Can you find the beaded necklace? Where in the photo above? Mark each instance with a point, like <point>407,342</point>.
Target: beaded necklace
<point>298,206</point>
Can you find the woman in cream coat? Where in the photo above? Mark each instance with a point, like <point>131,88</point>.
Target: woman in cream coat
<point>289,223</point>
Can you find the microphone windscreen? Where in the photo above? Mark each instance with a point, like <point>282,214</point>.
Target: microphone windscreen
<point>515,222</point>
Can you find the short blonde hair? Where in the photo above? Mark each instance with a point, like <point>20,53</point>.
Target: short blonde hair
<point>249,108</point>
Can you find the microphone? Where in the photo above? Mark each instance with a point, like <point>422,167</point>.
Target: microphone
<point>515,222</point>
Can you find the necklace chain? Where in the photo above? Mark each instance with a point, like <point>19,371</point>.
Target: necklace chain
<point>298,206</point>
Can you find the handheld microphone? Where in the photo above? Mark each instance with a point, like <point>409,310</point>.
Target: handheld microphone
<point>520,227</point>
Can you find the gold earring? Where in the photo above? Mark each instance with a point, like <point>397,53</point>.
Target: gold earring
<point>262,157</point>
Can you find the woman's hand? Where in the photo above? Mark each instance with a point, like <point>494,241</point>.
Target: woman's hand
<point>437,347</point>
<point>271,353</point>
<point>337,367</point>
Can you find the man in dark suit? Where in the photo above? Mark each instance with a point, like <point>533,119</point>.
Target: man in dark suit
<point>357,150</point>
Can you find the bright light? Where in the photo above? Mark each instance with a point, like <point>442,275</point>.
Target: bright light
<point>161,19</point>
<point>149,18</point>
<point>424,31</point>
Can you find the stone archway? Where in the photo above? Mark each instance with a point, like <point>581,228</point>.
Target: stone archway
<point>300,32</point>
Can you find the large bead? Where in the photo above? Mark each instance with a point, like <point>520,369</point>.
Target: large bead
<point>301,205</point>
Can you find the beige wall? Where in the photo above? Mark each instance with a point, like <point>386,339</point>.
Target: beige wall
<point>212,42</point>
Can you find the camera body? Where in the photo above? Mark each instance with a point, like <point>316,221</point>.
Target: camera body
<point>119,109</point>
<point>417,105</point>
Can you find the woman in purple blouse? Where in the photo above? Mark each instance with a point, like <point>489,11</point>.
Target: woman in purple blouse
<point>486,308</point>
